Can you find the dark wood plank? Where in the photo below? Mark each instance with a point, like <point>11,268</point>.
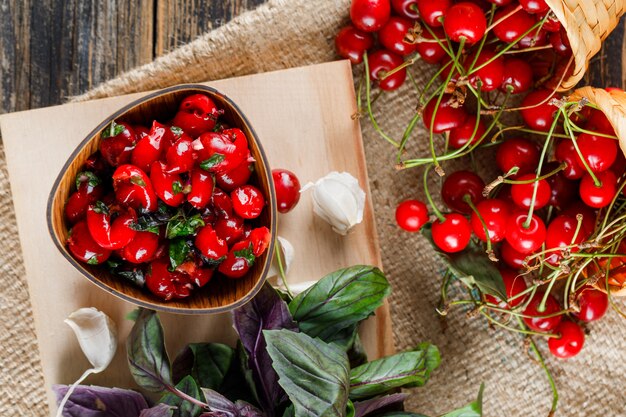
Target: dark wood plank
<point>181,21</point>
<point>606,68</point>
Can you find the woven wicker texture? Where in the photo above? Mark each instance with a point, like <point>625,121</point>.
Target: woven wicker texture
<point>290,33</point>
<point>588,23</point>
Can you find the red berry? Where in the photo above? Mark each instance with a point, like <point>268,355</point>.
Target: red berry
<point>392,36</point>
<point>598,122</point>
<point>495,213</point>
<point>534,6</point>
<point>287,188</point>
<point>598,152</point>
<point>511,257</point>
<point>433,11</point>
<point>201,188</point>
<point>431,52</point>
<point>535,38</point>
<point>488,71</point>
<point>222,202</point>
<point>83,247</point>
<point>221,152</point>
<point>260,239</point>
<point>236,177</point>
<point>566,152</point>
<point>589,216</point>
<point>370,15</point>
<point>561,232</point>
<point>459,184</point>
<point>517,152</point>
<point>381,62</point>
<point>117,143</point>
<point>514,285</point>
<point>351,43</point>
<point>229,228</point>
<point>406,8</point>
<point>522,194</point>
<point>517,76</point>
<point>453,234</point>
<point>197,114</point>
<point>525,239</point>
<point>467,132</point>
<point>563,190</point>
<point>411,215</point>
<point>88,191</point>
<point>558,45</point>
<point>466,21</point>
<point>142,248</point>
<point>180,156</point>
<point>570,341</point>
<point>551,24</point>
<point>238,261</point>
<point>598,197</point>
<point>445,117</point>
<point>168,187</point>
<point>511,28</point>
<point>109,233</point>
<point>150,147</point>
<point>133,188</point>
<point>211,246</point>
<point>165,284</point>
<point>248,201</point>
<point>538,320</point>
<point>593,304</point>
<point>537,111</point>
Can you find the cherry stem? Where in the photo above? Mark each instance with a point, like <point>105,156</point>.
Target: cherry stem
<point>429,197</point>
<point>569,131</point>
<point>531,49</point>
<point>503,18</point>
<point>468,199</point>
<point>513,329</point>
<point>542,177</point>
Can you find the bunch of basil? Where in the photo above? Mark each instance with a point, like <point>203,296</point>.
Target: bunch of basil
<point>299,357</point>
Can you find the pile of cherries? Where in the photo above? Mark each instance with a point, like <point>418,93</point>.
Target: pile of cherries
<point>167,206</point>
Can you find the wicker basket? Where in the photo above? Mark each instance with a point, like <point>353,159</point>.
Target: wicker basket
<point>588,23</point>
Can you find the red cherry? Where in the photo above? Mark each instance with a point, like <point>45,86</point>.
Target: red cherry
<point>466,21</point>
<point>221,152</point>
<point>535,38</point>
<point>453,234</point>
<point>433,11</point>
<point>598,197</point>
<point>351,43</point>
<point>108,233</point>
<point>558,45</point>
<point>490,75</point>
<point>589,216</point>
<point>392,35</point>
<point>593,304</point>
<point>538,320</point>
<point>165,284</point>
<point>514,285</point>
<point>560,233</point>
<point>133,188</point>
<point>222,202</point>
<point>517,152</point>
<point>598,122</point>
<point>150,147</point>
<point>88,191</point>
<point>570,341</point>
<point>495,213</point>
<point>260,239</point>
<point>534,6</point>
<point>384,61</point>
<point>525,239</point>
<point>201,188</point>
<point>459,184</point>
<point>197,114</point>
<point>514,26</point>
<point>142,248</point>
<point>210,245</point>
<point>566,152</point>
<point>76,207</point>
<point>370,15</point>
<point>179,156</point>
<point>539,116</point>
<point>287,188</point>
<point>522,194</point>
<point>236,177</point>
<point>445,117</point>
<point>511,257</point>
<point>248,201</point>
<point>229,228</point>
<point>467,132</point>
<point>431,52</point>
<point>599,152</point>
<point>117,142</point>
<point>563,191</point>
<point>406,8</point>
<point>517,76</point>
<point>411,215</point>
<point>168,187</point>
<point>96,164</point>
<point>83,247</point>
<point>238,261</point>
<point>500,2</point>
<point>551,23</point>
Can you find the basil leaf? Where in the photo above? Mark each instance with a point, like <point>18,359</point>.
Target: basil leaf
<point>226,408</point>
<point>177,131</point>
<point>150,222</point>
<point>184,408</point>
<point>133,274</point>
<point>147,357</point>
<point>473,267</point>
<point>266,311</point>
<point>178,251</point>
<point>177,187</point>
<point>87,176</point>
<point>159,410</point>
<point>406,369</point>
<point>339,300</point>
<point>214,160</point>
<point>101,208</point>
<point>91,400</point>
<point>207,363</point>
<point>367,407</point>
<point>112,130</point>
<point>246,254</point>
<point>473,409</point>
<point>180,226</point>
<point>313,373</point>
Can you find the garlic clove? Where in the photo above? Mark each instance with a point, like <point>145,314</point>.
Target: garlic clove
<point>96,334</point>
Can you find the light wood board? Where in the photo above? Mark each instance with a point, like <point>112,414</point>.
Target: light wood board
<point>302,117</point>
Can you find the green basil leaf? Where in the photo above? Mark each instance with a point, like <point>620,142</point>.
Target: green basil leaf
<point>180,226</point>
<point>177,187</point>
<point>314,374</point>
<point>184,408</point>
<point>147,357</point>
<point>177,131</point>
<point>137,180</point>
<point>112,130</point>
<point>406,369</point>
<point>101,208</point>
<point>207,363</point>
<point>339,300</point>
<point>473,267</point>
<point>246,254</point>
<point>473,409</point>
<point>87,176</point>
<point>178,251</point>
<point>214,160</point>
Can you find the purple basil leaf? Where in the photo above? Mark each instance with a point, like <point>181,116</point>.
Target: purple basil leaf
<point>219,404</point>
<point>92,401</point>
<point>266,311</point>
<point>248,410</point>
<point>159,410</point>
<point>364,408</point>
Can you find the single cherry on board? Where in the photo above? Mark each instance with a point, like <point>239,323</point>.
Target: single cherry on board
<point>570,341</point>
<point>453,234</point>
<point>287,188</point>
<point>411,215</point>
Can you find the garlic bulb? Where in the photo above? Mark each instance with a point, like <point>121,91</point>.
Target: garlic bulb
<point>339,200</point>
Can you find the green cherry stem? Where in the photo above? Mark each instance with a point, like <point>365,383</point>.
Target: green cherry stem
<point>539,178</point>
<point>440,216</point>
<point>468,199</point>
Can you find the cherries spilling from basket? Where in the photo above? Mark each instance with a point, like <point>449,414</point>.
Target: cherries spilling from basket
<point>169,205</point>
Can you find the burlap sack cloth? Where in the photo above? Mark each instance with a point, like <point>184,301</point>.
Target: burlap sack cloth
<point>290,33</point>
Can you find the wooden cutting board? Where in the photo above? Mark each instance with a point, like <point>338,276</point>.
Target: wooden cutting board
<point>303,117</point>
